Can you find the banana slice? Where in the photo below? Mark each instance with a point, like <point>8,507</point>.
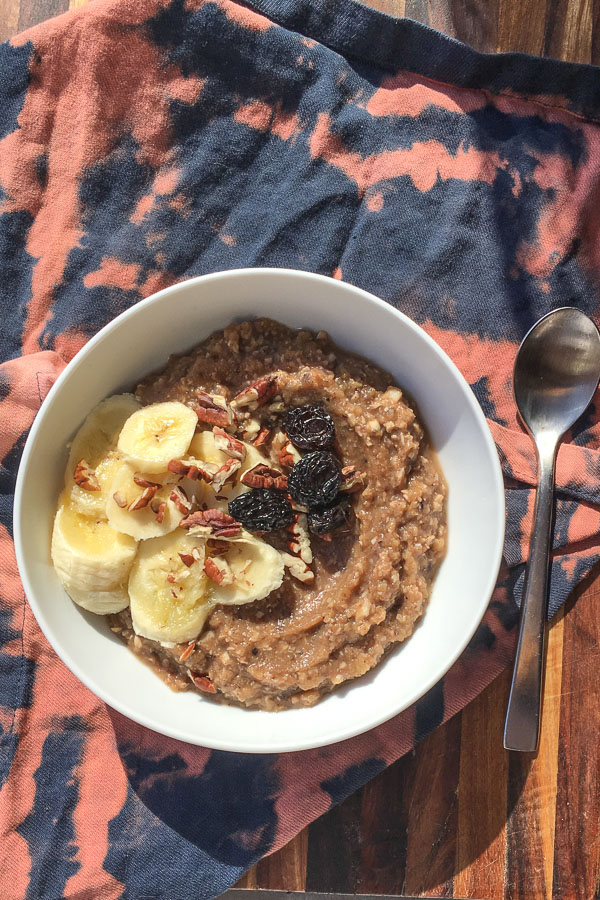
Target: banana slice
<point>95,442</point>
<point>256,567</point>
<point>203,447</point>
<point>150,520</point>
<point>154,435</point>
<point>100,602</point>
<point>88,554</point>
<point>169,600</point>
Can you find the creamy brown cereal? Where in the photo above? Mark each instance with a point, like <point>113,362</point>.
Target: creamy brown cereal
<point>372,578</point>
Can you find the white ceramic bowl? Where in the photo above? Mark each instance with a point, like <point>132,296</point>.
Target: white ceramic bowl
<point>140,341</point>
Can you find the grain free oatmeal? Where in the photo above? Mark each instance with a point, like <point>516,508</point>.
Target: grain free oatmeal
<point>271,511</point>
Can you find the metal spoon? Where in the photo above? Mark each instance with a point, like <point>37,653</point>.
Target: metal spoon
<point>556,373</point>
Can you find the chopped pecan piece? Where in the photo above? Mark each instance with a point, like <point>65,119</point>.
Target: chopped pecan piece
<point>288,455</point>
<point>298,568</point>
<point>213,409</point>
<point>225,473</point>
<point>179,498</point>
<point>85,477</point>
<point>257,393</point>
<point>191,468</point>
<point>203,683</point>
<point>188,651</point>
<point>120,499</point>
<point>187,559</point>
<point>143,499</point>
<point>218,570</point>
<point>250,428</point>
<point>212,522</point>
<point>217,547</point>
<point>299,543</point>
<point>297,507</point>
<point>228,444</point>
<point>262,437</point>
<point>160,510</point>
<point>144,483</point>
<point>263,476</point>
<point>352,480</point>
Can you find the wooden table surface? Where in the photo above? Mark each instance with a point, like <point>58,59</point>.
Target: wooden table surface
<point>461,817</point>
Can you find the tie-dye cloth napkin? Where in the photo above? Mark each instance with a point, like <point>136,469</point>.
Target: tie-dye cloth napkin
<point>145,141</point>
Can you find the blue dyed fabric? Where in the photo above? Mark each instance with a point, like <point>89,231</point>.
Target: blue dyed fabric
<point>145,142</point>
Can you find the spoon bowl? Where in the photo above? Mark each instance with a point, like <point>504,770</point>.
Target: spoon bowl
<point>556,371</point>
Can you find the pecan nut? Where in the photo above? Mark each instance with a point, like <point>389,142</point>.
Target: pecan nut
<point>188,651</point>
<point>179,498</point>
<point>159,511</point>
<point>213,409</point>
<point>262,437</point>
<point>298,568</point>
<point>263,476</point>
<point>288,456</point>
<point>257,393</point>
<point>143,499</point>
<point>228,444</point>
<point>144,483</point>
<point>299,544</point>
<point>212,522</point>
<point>120,499</point>
<point>191,468</point>
<point>218,570</point>
<point>203,683</point>
<point>225,473</point>
<point>353,481</point>
<point>85,477</point>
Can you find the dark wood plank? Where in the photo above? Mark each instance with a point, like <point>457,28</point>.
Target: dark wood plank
<point>568,33</point>
<point>481,842</point>
<point>287,868</point>
<point>532,792</point>
<point>417,10</point>
<point>9,18</point>
<point>521,26</point>
<point>595,53</point>
<point>383,832</point>
<point>431,788</point>
<point>31,12</point>
<point>475,22</point>
<point>577,839</point>
<point>334,848</point>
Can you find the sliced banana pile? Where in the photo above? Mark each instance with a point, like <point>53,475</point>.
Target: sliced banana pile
<point>125,533</point>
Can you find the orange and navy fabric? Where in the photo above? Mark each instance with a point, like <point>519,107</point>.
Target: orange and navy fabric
<point>146,141</point>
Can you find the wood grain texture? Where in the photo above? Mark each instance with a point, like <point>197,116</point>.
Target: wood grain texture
<point>33,11</point>
<point>460,817</point>
<point>483,781</point>
<point>577,834</point>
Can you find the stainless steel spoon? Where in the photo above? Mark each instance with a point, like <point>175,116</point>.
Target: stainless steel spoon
<point>556,373</point>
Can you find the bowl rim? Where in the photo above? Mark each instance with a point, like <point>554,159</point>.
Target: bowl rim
<point>253,745</point>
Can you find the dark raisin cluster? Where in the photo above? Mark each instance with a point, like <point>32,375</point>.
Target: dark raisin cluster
<point>262,510</point>
<point>309,427</point>
<point>314,481</point>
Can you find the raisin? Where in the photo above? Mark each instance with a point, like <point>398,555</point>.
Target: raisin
<point>315,479</point>
<point>309,427</point>
<point>322,521</point>
<point>262,510</point>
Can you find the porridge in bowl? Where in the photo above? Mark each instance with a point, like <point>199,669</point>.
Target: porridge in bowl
<point>262,521</point>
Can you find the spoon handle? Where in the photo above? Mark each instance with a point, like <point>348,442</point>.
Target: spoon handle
<point>522,727</point>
